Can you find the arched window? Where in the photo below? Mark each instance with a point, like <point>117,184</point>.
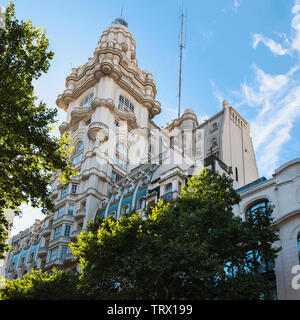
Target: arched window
<point>125,209</point>
<point>31,257</point>
<point>168,196</point>
<point>79,147</point>
<point>262,204</point>
<point>22,262</point>
<point>142,203</point>
<point>214,142</point>
<point>145,180</point>
<point>116,197</point>
<point>169,187</point>
<point>78,153</point>
<point>87,100</point>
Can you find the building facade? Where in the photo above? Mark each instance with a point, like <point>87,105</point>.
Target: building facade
<point>125,162</point>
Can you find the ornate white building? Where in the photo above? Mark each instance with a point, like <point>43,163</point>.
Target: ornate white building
<point>125,161</point>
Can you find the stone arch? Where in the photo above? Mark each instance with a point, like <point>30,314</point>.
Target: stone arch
<point>254,200</point>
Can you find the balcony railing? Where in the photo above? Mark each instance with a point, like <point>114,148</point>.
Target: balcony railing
<point>43,251</point>
<point>46,232</point>
<point>125,108</point>
<point>75,234</point>
<point>54,263</point>
<point>79,214</point>
<point>209,161</point>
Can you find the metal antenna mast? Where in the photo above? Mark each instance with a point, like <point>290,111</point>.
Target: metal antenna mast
<point>122,10</point>
<point>181,46</point>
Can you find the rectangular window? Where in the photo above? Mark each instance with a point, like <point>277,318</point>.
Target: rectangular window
<point>121,162</point>
<point>71,209</point>
<point>172,142</point>
<point>53,254</point>
<point>64,191</point>
<point>61,211</point>
<point>115,177</point>
<point>67,231</point>
<point>57,232</point>
<point>125,104</point>
<point>74,188</point>
<point>86,102</point>
<point>64,252</point>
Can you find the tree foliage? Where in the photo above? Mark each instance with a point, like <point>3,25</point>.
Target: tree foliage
<point>54,285</point>
<point>192,248</point>
<point>29,154</point>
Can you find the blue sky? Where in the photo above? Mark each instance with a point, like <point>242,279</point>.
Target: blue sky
<point>244,51</point>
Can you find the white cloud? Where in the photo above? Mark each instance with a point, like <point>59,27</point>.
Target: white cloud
<point>277,101</point>
<point>275,47</point>
<point>274,99</point>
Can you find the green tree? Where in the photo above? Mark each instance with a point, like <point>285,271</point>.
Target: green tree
<point>54,285</point>
<point>192,248</point>
<point>29,154</point>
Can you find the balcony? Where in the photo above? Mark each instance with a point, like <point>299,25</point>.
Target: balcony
<point>59,240</point>
<point>79,214</point>
<point>31,264</point>
<point>54,263</point>
<point>54,194</point>
<point>26,246</point>
<point>98,130</point>
<point>69,260</point>
<point>210,161</point>
<point>46,232</point>
<point>42,252</point>
<point>67,218</point>
<point>75,234</point>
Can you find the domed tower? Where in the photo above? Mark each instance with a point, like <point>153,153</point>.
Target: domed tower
<point>105,100</point>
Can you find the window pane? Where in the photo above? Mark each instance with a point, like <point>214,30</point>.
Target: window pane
<point>64,252</point>
<point>61,211</point>
<point>64,192</point>
<point>77,159</point>
<point>74,188</point>
<point>53,254</point>
<point>67,230</point>
<point>57,232</point>
<point>78,147</point>
<point>71,209</point>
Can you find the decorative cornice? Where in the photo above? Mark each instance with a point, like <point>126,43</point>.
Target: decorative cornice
<point>110,61</point>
